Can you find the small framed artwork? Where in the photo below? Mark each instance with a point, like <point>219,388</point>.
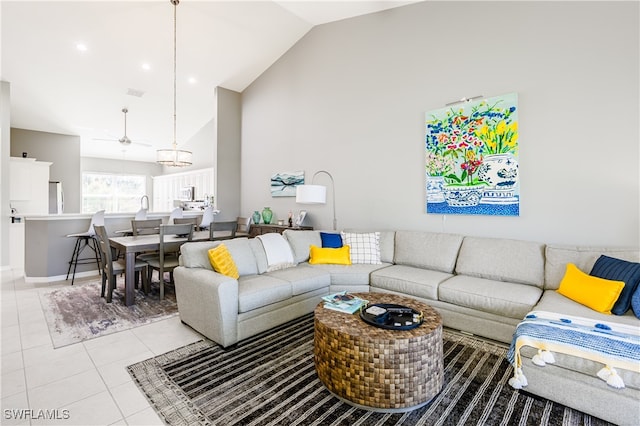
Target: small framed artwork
<point>300,218</point>
<point>284,184</point>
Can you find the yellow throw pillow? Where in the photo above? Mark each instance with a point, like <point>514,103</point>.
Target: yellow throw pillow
<point>336,256</point>
<point>596,293</point>
<point>222,261</point>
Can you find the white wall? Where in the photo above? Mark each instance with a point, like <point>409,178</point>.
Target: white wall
<point>350,98</point>
<point>5,137</point>
<point>61,150</point>
<point>228,112</point>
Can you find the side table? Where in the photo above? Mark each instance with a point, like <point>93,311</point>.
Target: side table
<point>262,228</point>
<point>379,369</point>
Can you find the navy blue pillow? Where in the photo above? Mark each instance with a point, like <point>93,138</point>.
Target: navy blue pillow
<point>331,240</point>
<point>635,302</point>
<point>619,270</point>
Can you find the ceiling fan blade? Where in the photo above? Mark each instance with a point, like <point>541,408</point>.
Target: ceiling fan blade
<point>104,139</point>
<point>146,145</point>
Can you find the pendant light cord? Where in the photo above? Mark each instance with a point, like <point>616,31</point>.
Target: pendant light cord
<point>175,60</point>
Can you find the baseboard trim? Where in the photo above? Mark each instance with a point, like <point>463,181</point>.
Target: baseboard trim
<point>55,278</point>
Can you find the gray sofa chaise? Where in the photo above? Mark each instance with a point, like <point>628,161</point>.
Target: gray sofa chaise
<point>482,286</point>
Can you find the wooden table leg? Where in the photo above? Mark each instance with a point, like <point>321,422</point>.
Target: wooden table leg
<point>129,279</point>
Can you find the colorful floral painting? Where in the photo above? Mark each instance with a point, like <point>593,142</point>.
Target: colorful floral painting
<point>284,184</point>
<point>471,152</point>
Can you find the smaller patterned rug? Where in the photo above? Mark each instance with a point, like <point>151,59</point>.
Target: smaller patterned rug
<point>77,313</point>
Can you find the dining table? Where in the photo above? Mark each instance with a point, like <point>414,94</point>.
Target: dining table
<point>133,245</point>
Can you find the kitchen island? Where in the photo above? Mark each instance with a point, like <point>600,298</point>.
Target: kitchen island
<point>47,249</point>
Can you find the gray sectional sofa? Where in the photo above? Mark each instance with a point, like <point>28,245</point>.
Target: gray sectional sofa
<point>482,286</point>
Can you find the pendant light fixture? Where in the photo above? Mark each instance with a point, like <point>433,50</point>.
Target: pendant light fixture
<point>174,157</point>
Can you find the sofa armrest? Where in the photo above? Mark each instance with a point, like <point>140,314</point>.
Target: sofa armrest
<point>208,302</point>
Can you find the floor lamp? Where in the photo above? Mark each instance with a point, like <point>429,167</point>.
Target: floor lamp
<point>317,194</point>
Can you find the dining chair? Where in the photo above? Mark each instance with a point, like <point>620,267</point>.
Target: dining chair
<point>145,226</point>
<point>112,268</point>
<point>83,240</point>
<point>175,214</point>
<point>207,218</point>
<point>167,261</point>
<point>183,220</point>
<point>243,226</point>
<point>224,230</point>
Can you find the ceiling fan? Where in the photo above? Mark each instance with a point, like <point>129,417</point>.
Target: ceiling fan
<point>124,140</point>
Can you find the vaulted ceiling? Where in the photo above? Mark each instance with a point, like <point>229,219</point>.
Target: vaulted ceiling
<point>127,62</point>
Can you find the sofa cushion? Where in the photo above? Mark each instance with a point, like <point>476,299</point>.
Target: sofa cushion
<point>498,297</point>
<point>619,270</point>
<point>354,274</point>
<point>557,257</point>
<point>195,254</point>
<point>409,280</point>
<point>328,255</point>
<point>255,291</point>
<point>259,253</point>
<point>596,293</point>
<point>300,242</point>
<point>365,247</point>
<point>303,278</point>
<point>501,259</point>
<point>222,261</point>
<point>242,255</point>
<point>552,301</point>
<point>429,250</point>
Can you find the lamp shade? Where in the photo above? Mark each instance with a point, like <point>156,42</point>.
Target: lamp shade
<point>174,157</point>
<point>311,194</point>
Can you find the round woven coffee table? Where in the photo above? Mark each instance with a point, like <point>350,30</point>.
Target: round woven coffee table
<point>375,368</point>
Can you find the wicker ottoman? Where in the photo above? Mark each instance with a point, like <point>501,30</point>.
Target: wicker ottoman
<point>375,368</point>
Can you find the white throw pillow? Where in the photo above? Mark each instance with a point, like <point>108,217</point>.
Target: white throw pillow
<point>364,247</point>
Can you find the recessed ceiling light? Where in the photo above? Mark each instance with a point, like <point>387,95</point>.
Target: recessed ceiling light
<point>146,66</point>
<point>81,47</point>
<point>192,80</point>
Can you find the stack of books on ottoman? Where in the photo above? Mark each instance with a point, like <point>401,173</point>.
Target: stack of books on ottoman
<point>344,302</point>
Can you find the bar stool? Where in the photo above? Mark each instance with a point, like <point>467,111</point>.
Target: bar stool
<point>83,240</point>
<point>175,214</point>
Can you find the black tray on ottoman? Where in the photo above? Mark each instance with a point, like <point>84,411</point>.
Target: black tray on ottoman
<point>391,316</point>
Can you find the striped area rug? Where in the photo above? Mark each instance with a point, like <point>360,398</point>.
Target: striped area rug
<point>271,380</point>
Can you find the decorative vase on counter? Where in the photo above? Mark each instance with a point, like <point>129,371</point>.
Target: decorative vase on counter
<point>256,217</point>
<point>267,215</point>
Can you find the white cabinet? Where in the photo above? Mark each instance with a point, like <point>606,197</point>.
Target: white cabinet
<point>29,186</point>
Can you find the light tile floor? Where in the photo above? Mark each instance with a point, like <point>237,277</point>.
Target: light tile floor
<point>87,379</point>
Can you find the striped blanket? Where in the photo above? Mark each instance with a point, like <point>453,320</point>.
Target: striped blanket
<point>614,345</point>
